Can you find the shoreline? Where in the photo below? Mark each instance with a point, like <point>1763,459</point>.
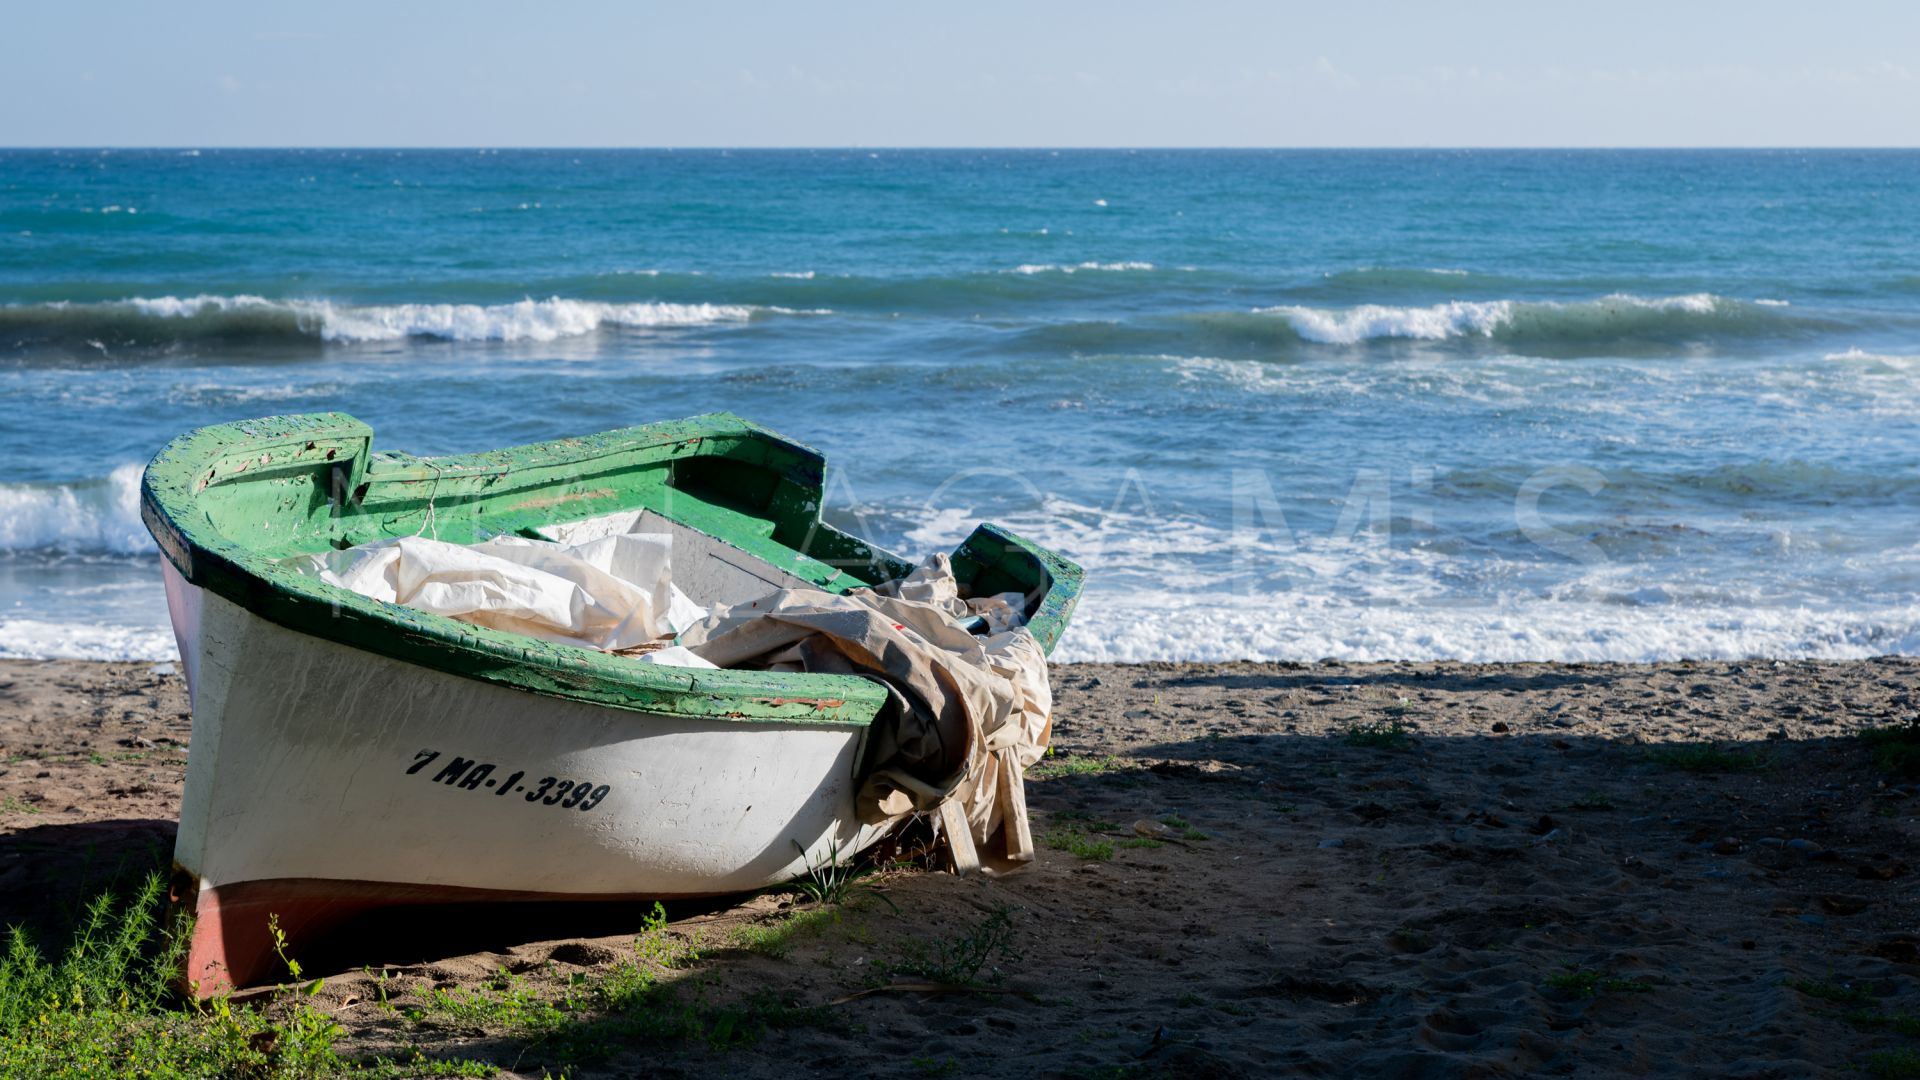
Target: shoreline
<point>1424,869</point>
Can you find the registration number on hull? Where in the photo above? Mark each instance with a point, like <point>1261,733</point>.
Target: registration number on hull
<point>469,774</point>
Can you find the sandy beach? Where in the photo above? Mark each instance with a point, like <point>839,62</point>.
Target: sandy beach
<point>1418,870</point>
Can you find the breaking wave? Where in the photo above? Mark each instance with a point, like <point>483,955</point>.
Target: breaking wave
<point>1617,325</point>
<point>97,516</point>
<point>1610,317</point>
<point>1622,322</point>
<point>168,318</point>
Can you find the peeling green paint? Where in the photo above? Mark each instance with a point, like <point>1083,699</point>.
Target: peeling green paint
<point>228,504</point>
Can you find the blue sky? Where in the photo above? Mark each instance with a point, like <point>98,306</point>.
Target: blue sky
<point>1224,73</point>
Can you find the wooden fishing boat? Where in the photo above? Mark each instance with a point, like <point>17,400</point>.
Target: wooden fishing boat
<point>350,754</point>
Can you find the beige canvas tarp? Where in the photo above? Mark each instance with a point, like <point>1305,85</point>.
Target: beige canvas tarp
<point>967,714</point>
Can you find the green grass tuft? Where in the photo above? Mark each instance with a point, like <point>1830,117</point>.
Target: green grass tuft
<point>1081,819</point>
<point>1707,758</point>
<point>1900,1023</point>
<point>1829,990</point>
<point>1892,1064</point>
<point>1378,735</point>
<point>1590,984</point>
<point>600,1011</point>
<point>1083,844</point>
<point>836,882</point>
<point>1129,1071</point>
<point>1183,827</point>
<point>1051,767</point>
<point>775,938</point>
<point>1895,749</point>
<point>960,960</point>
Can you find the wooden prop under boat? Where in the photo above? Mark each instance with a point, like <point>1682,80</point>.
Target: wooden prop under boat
<point>350,754</point>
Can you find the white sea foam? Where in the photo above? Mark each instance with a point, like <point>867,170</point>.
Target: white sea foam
<point>175,307</point>
<point>101,515</point>
<point>1166,585</point>
<point>525,320</point>
<point>1861,356</point>
<point>1482,318</point>
<point>1131,625</point>
<point>1695,303</point>
<point>201,395</point>
<point>800,275</point>
<point>1154,594</point>
<point>34,639</point>
<point>1071,268</point>
<point>1485,383</point>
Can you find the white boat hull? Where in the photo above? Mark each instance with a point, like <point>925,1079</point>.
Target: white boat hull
<point>324,779</point>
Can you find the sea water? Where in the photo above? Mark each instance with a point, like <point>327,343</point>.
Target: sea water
<point>1480,405</point>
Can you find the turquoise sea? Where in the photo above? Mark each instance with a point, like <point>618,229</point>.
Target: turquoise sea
<point>1482,405</point>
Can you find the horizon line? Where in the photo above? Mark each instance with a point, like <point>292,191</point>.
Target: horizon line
<point>875,147</point>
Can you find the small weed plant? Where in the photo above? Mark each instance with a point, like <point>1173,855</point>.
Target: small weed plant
<point>1900,1023</point>
<point>1706,758</point>
<point>1895,749</point>
<point>1830,989</point>
<point>1378,735</point>
<point>1590,984</point>
<point>1081,843</point>
<point>958,961</point>
<point>1052,767</point>
<point>1901,1064</point>
<point>835,881</point>
<point>775,938</point>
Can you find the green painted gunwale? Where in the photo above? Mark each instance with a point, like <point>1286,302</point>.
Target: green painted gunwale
<point>229,504</point>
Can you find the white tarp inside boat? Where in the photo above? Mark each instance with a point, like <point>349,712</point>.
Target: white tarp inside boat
<point>614,593</point>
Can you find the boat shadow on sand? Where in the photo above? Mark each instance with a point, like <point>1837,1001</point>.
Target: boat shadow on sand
<point>50,874</point>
